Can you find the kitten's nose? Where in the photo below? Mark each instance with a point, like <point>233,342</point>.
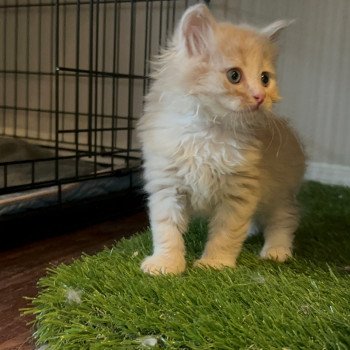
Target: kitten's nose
<point>259,98</point>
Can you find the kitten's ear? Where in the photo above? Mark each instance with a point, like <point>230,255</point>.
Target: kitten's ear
<point>196,30</point>
<point>273,30</point>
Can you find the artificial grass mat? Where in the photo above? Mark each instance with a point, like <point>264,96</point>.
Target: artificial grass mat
<point>105,302</point>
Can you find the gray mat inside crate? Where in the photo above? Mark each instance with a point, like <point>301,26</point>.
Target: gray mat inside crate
<point>14,150</point>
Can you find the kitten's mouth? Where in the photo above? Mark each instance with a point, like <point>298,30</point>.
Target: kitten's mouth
<point>250,109</point>
<point>256,107</point>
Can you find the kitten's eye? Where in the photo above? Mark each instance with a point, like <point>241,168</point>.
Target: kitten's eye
<point>265,78</point>
<point>234,75</point>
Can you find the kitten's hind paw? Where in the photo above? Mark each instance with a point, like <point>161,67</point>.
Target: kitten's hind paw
<point>278,253</point>
<point>163,264</point>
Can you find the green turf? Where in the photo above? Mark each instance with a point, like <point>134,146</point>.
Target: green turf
<point>105,302</point>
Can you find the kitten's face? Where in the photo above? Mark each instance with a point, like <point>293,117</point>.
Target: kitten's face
<point>247,69</point>
<point>233,67</point>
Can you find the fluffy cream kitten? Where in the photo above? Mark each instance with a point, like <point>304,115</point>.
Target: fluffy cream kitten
<point>211,145</point>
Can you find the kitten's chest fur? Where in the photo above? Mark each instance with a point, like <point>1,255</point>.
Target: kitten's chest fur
<point>207,160</point>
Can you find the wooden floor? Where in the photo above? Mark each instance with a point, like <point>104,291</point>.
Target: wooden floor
<point>22,262</point>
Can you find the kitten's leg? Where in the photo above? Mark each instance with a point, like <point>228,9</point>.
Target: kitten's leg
<point>280,227</point>
<point>228,230</point>
<point>168,216</point>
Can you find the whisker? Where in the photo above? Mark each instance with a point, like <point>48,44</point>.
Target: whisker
<point>279,134</point>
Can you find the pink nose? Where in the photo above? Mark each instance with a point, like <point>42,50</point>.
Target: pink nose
<point>259,98</point>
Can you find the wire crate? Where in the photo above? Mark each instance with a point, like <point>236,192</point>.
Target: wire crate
<point>72,79</point>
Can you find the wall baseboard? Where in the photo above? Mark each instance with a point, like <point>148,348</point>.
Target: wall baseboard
<point>332,174</point>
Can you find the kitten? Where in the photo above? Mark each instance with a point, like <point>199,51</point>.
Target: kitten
<point>212,146</point>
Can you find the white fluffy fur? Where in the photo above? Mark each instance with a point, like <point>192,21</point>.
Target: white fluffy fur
<point>206,153</point>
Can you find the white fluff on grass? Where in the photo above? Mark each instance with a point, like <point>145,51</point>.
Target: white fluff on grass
<point>43,347</point>
<point>148,341</point>
<point>73,296</point>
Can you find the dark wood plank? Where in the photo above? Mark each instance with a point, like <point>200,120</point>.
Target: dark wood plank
<point>22,266</point>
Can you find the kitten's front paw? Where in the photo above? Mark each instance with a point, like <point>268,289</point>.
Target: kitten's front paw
<point>163,264</point>
<point>278,253</point>
<point>217,264</point>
